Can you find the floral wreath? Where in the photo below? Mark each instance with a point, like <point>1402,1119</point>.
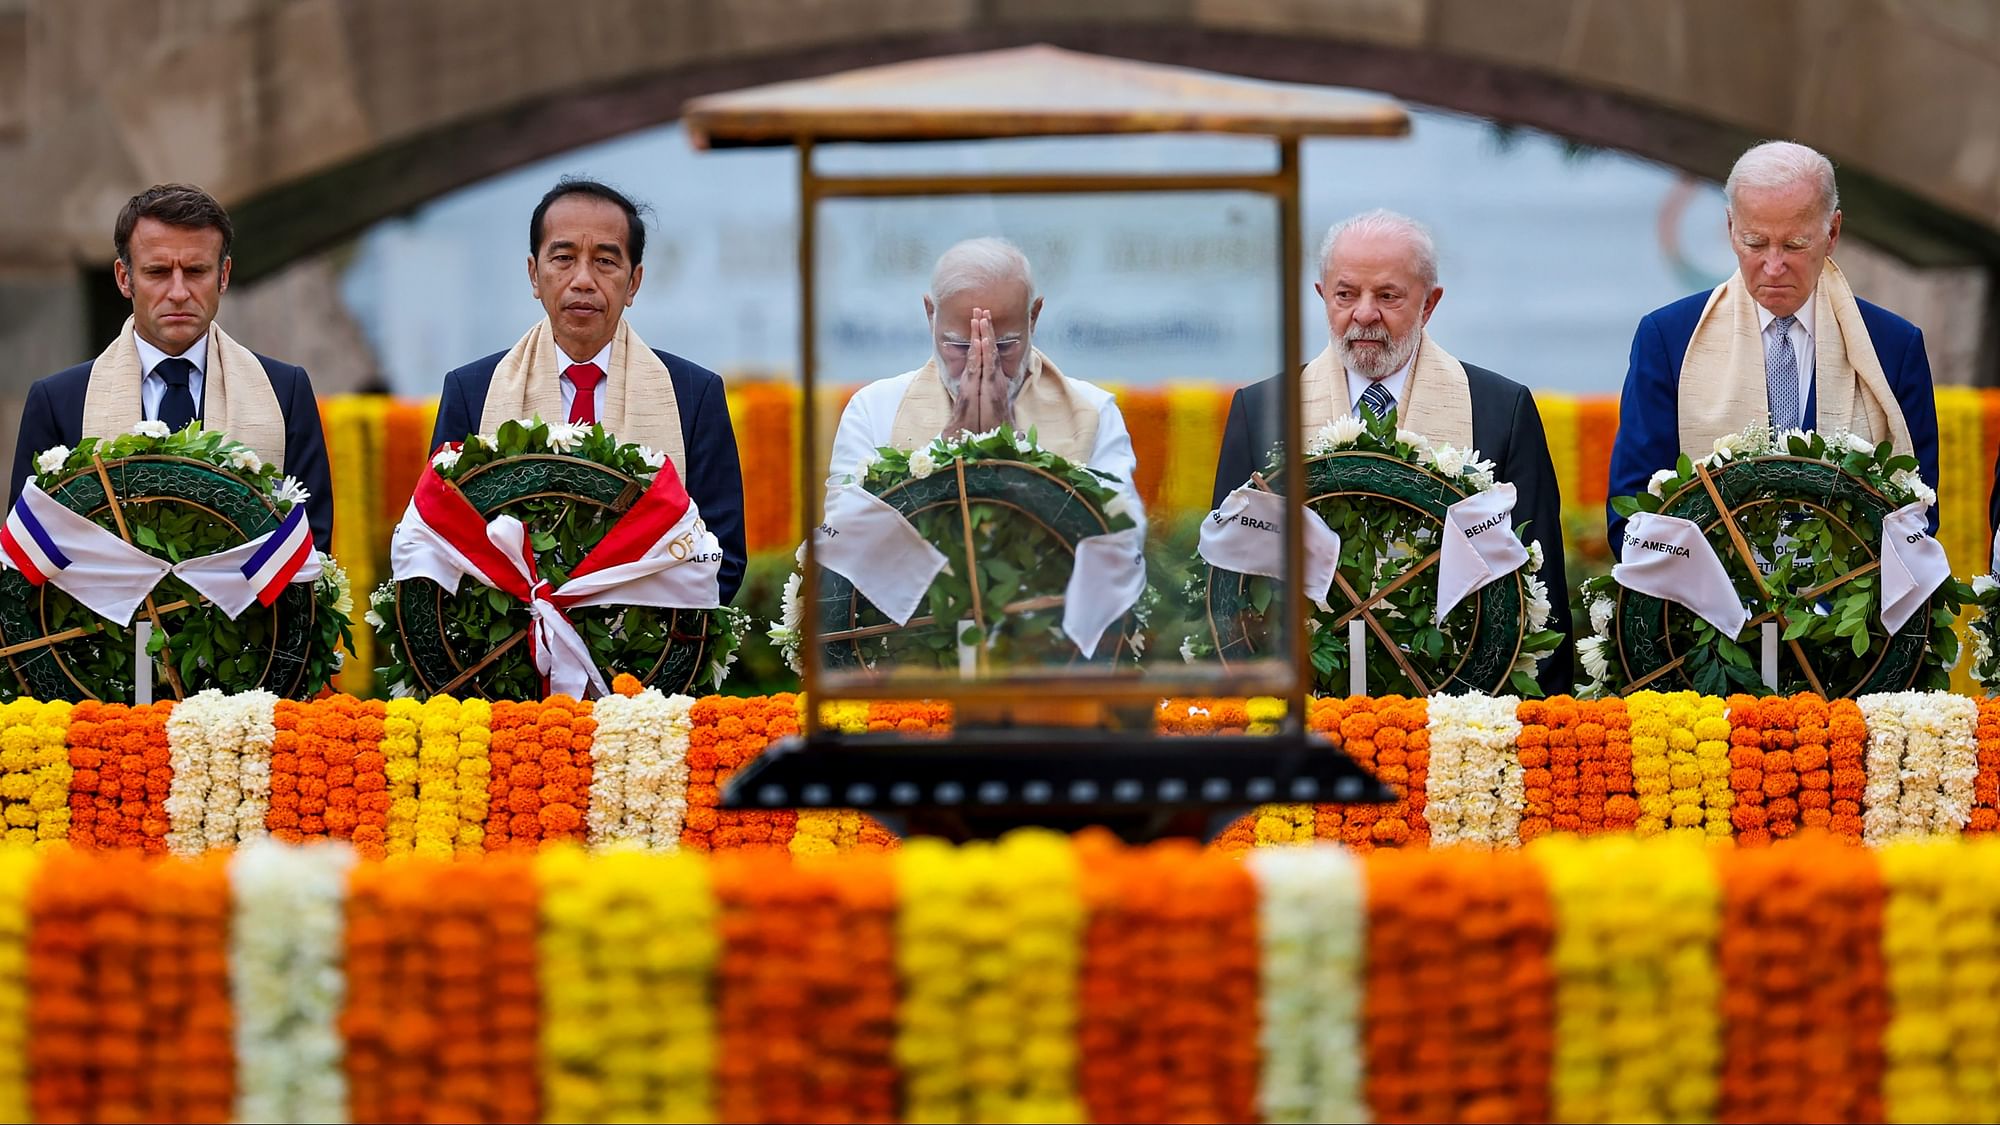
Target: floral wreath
<point>1808,505</point>
<point>1011,544</point>
<point>171,511</point>
<point>1984,631</point>
<point>553,463</point>
<point>1384,537</point>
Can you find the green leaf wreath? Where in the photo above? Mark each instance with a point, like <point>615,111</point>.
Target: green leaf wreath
<point>173,489</point>
<point>1809,506</point>
<point>1381,539</point>
<point>1017,569</point>
<point>562,529</point>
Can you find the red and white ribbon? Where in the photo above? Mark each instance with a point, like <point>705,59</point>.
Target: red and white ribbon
<point>659,553</point>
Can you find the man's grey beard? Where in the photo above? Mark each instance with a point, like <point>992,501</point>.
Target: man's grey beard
<point>1384,363</point>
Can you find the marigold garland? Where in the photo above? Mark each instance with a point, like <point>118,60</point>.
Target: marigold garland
<point>1846,749</point>
<point>1544,723</point>
<point>120,776</point>
<point>1389,737</point>
<point>727,732</point>
<point>615,926</point>
<point>1985,816</point>
<point>640,755</point>
<point>1940,941</point>
<point>542,772</point>
<point>17,873</point>
<point>1477,1048</point>
<point>1811,762</point>
<point>1638,992</point>
<point>807,989</point>
<point>34,772</point>
<point>1804,1000</point>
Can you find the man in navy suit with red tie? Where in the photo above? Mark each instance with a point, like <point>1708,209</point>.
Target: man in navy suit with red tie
<point>584,363</point>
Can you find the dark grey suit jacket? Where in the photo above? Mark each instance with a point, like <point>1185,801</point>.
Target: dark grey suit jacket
<point>1506,428</point>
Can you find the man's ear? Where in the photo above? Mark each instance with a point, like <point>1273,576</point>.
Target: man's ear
<point>222,279</point>
<point>122,276</point>
<point>930,310</point>
<point>638,275</point>
<point>1431,302</point>
<point>1034,313</point>
<point>534,279</point>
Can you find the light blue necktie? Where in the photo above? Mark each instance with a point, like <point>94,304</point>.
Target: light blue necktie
<point>1781,370</point>
<point>1376,400</point>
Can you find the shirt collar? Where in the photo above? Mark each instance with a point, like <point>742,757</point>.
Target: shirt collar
<point>602,359</point>
<point>150,356</point>
<point>1357,385</point>
<point>1804,315</point>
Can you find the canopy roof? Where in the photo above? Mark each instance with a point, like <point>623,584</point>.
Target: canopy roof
<point>1036,91</point>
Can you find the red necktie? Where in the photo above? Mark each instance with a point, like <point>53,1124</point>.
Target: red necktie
<point>584,377</point>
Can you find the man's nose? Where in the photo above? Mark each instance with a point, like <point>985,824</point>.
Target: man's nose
<point>1365,311</point>
<point>178,290</point>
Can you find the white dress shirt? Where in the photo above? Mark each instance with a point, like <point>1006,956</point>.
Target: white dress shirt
<point>1395,383</point>
<point>152,388</point>
<point>603,362</point>
<point>1802,343</point>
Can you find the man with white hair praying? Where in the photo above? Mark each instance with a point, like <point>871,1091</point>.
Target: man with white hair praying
<point>1782,340</point>
<point>985,372</point>
<point>1379,282</point>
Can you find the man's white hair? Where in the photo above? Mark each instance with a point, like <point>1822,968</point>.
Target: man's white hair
<point>977,263</point>
<point>1423,248</point>
<point>1780,164</point>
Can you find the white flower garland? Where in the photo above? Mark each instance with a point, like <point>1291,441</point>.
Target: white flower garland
<point>639,766</point>
<point>219,747</point>
<point>1923,756</point>
<point>1474,793</point>
<point>1312,926</point>
<point>286,941</point>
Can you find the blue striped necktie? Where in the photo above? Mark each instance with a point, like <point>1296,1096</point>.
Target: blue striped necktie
<point>1377,400</point>
<point>1781,370</point>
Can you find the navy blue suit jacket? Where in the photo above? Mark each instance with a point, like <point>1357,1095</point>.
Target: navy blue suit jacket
<point>54,416</point>
<point>1649,435</point>
<point>714,478</point>
<point>1506,428</point>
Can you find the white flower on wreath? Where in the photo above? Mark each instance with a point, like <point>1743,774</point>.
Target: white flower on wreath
<point>1726,447</point>
<point>565,436</point>
<point>654,459</point>
<point>1534,556</point>
<point>1658,485</point>
<point>1481,475</point>
<point>1596,657</point>
<point>1416,441</point>
<point>52,458</point>
<point>246,459</point>
<point>1449,459</point>
<point>374,620</point>
<point>335,576</point>
<point>1855,443</point>
<point>1538,604</point>
<point>1601,610</point>
<point>151,429</point>
<point>445,460</point>
<point>1910,482</point>
<point>1783,442</point>
<point>922,464</point>
<point>290,490</point>
<point>1187,650</point>
<point>1342,431</point>
<point>1119,506</point>
<point>866,463</point>
<point>1984,584</point>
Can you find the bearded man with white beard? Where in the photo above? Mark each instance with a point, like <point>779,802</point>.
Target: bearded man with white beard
<point>985,372</point>
<point>1378,279</point>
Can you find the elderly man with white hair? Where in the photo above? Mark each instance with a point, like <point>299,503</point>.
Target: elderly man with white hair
<point>1379,282</point>
<point>1782,340</point>
<point>985,372</point>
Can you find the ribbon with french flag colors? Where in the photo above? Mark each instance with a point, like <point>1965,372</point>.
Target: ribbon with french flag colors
<point>659,553</point>
<point>48,543</point>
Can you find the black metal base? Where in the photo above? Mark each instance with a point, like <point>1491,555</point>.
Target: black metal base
<point>979,784</point>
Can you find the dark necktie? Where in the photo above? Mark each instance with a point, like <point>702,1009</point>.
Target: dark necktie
<point>177,405</point>
<point>1781,368</point>
<point>1377,400</point>
<point>584,378</point>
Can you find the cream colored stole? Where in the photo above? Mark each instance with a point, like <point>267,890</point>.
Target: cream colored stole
<point>1724,388</point>
<point>236,394</point>
<point>1436,401</point>
<point>639,403</point>
<point>1063,422</point>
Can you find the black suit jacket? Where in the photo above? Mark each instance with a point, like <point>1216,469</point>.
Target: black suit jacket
<point>1506,428</point>
<point>714,478</point>
<point>54,416</point>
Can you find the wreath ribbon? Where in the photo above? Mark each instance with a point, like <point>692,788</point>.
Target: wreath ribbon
<point>659,553</point>
<point>48,543</point>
